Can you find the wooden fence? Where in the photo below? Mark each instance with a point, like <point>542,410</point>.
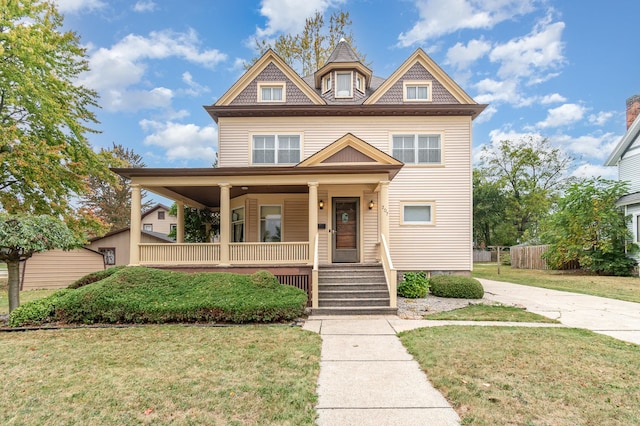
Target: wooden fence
<point>528,257</point>
<point>482,256</point>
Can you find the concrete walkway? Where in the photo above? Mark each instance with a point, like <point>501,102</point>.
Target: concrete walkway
<point>368,378</point>
<point>615,318</point>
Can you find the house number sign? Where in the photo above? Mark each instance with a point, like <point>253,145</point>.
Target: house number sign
<point>345,217</point>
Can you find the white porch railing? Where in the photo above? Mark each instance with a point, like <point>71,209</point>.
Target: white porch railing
<point>209,253</point>
<point>389,272</point>
<point>268,253</point>
<point>179,254</point>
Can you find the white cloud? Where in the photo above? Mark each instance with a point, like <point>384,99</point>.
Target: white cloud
<point>600,118</point>
<point>562,116</point>
<point>528,56</point>
<point>288,16</point>
<point>588,170</point>
<point>116,69</point>
<point>587,146</point>
<point>144,6</point>
<point>441,17</point>
<point>79,6</point>
<point>461,56</point>
<point>486,115</point>
<point>552,99</point>
<point>194,89</point>
<point>497,91</point>
<point>182,141</point>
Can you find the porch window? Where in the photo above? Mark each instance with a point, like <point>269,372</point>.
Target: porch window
<point>276,149</point>
<point>270,223</point>
<point>237,225</point>
<point>344,85</point>
<point>417,149</point>
<point>418,213</point>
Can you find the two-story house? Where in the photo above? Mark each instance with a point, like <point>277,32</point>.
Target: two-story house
<point>338,169</point>
<point>626,156</point>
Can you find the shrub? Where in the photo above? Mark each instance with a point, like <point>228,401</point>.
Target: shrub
<point>414,285</point>
<point>146,295</point>
<point>456,286</point>
<point>94,277</point>
<point>264,279</point>
<point>35,312</point>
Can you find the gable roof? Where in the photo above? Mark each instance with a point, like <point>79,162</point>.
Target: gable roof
<point>153,209</point>
<point>270,57</point>
<point>420,57</point>
<point>349,149</point>
<point>625,143</point>
<point>157,235</point>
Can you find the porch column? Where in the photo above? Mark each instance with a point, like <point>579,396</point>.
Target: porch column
<point>134,229</point>
<point>383,209</point>
<point>313,218</point>
<point>180,224</point>
<point>225,224</point>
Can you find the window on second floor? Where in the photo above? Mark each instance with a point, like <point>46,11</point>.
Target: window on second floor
<point>417,91</point>
<point>344,85</point>
<point>147,227</point>
<point>276,149</point>
<point>271,92</point>
<point>161,215</point>
<point>417,149</point>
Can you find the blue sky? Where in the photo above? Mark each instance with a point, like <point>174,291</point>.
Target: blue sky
<point>560,69</point>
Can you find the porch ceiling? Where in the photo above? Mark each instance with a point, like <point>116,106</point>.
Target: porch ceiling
<point>199,187</point>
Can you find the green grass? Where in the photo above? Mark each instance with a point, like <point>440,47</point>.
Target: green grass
<point>147,295</point>
<point>524,376</point>
<point>483,312</point>
<point>160,375</point>
<point>25,296</point>
<point>621,288</point>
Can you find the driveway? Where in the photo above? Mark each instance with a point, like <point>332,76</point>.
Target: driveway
<point>615,318</point>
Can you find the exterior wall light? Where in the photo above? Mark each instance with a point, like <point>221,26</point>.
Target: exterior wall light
<point>321,204</point>
<point>371,205</point>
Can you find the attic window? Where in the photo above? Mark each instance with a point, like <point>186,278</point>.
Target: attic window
<point>271,92</point>
<point>344,85</point>
<point>360,83</point>
<point>417,91</point>
<point>326,84</point>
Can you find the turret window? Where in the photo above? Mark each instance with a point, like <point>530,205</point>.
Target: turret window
<point>344,85</point>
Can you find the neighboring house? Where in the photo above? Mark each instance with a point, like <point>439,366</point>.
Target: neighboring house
<point>115,245</point>
<point>157,219</point>
<point>58,268</point>
<point>626,156</point>
<point>337,168</point>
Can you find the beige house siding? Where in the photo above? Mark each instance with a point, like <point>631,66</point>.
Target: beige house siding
<point>120,242</point>
<point>162,226</point>
<point>444,246</point>
<point>57,268</point>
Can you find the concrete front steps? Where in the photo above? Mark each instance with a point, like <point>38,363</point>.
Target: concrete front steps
<point>352,289</point>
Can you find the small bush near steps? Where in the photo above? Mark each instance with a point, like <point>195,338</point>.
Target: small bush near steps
<point>414,285</point>
<point>456,286</point>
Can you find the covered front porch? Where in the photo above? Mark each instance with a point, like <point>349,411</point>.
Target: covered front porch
<point>271,217</point>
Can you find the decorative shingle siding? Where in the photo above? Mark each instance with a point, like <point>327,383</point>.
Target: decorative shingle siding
<point>440,95</point>
<point>249,96</point>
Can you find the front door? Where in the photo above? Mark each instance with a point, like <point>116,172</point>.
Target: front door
<point>346,230</point>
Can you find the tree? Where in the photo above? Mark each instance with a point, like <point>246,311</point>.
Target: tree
<point>111,201</point>
<point>531,174</point>
<point>588,228</point>
<point>199,224</point>
<point>307,51</point>
<point>489,206</point>
<point>44,115</point>
<point>23,235</point>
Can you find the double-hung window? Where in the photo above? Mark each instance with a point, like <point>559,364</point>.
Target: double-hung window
<point>271,224</point>
<point>271,92</point>
<point>417,91</point>
<point>344,85</point>
<point>276,149</point>
<point>417,148</point>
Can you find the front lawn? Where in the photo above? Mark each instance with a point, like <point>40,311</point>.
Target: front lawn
<point>173,374</point>
<point>622,288</point>
<point>481,312</point>
<point>531,376</point>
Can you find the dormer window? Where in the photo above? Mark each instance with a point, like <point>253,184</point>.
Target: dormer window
<point>417,91</point>
<point>271,92</point>
<point>360,82</point>
<point>344,85</point>
<point>326,84</point>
